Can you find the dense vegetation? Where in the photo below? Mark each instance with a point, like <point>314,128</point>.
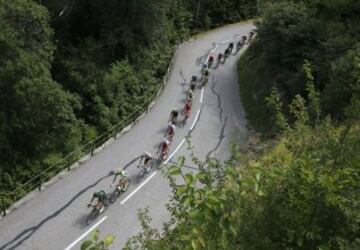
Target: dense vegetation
<point>70,70</point>
<point>303,193</point>
<point>326,34</point>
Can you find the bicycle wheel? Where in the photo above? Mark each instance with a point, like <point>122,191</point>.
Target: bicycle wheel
<point>93,214</point>
<point>114,195</point>
<point>140,175</point>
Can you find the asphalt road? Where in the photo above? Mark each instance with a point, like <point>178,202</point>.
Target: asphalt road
<point>55,217</point>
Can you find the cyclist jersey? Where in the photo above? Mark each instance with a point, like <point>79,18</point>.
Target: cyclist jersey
<point>174,114</point>
<point>171,128</point>
<point>192,86</point>
<point>100,195</point>
<point>187,107</point>
<point>164,147</point>
<point>147,160</point>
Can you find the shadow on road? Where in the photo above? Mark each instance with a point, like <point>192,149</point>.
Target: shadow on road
<point>27,233</point>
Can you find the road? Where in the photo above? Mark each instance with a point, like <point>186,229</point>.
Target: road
<point>54,218</point>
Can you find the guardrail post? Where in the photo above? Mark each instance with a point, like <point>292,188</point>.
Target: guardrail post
<point>3,209</point>
<point>40,183</point>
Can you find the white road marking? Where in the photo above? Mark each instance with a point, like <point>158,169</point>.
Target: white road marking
<point>226,41</point>
<point>214,49</point>
<point>173,153</point>
<point>195,121</point>
<point>202,95</point>
<point>138,188</point>
<point>217,46</point>
<point>86,233</point>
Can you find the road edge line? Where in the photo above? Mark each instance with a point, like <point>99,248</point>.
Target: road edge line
<point>195,121</point>
<point>137,189</point>
<point>86,233</point>
<point>202,95</point>
<point>173,153</point>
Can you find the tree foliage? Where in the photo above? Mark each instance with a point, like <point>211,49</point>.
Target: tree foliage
<point>70,70</point>
<point>323,33</point>
<point>301,194</point>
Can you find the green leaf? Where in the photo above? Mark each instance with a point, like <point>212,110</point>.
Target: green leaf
<point>189,179</point>
<point>174,171</point>
<point>95,235</point>
<point>109,239</point>
<point>86,244</point>
<point>180,161</point>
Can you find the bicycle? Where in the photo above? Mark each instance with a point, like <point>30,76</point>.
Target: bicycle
<point>238,46</point>
<point>162,157</point>
<point>119,190</point>
<point>226,54</point>
<point>205,80</point>
<point>143,172</point>
<point>95,212</point>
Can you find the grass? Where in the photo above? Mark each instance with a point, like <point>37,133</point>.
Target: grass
<point>255,85</point>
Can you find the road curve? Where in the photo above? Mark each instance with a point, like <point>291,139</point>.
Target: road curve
<point>54,218</point>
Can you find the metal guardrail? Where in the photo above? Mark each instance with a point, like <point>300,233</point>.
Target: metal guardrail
<point>37,181</point>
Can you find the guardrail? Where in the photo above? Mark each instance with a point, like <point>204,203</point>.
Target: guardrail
<point>87,150</point>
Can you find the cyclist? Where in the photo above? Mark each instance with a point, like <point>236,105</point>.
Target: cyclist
<point>173,116</point>
<point>206,72</point>
<point>164,149</point>
<point>227,52</point>
<point>187,109</point>
<point>252,33</point>
<point>190,95</point>
<point>206,77</point>
<point>231,46</point>
<point>243,39</point>
<point>123,181</point>
<point>238,45</point>
<point>204,67</point>
<point>171,131</point>
<point>146,156</point>
<point>101,197</point>
<point>193,83</point>
<point>220,56</point>
<point>210,60</point>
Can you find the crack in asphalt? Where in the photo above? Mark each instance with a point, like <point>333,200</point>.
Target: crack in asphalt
<point>222,131</point>
<point>218,98</point>
<point>221,138</point>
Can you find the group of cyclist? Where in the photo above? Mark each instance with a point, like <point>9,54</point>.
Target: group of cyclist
<point>146,158</point>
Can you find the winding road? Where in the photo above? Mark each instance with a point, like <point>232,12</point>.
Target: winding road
<point>55,218</point>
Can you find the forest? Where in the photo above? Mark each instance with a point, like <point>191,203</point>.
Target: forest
<point>71,70</point>
<point>301,190</point>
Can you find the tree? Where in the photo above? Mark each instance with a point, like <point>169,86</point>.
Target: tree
<point>37,115</point>
<point>301,194</point>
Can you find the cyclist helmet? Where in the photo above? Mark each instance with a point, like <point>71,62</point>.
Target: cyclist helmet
<point>147,154</point>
